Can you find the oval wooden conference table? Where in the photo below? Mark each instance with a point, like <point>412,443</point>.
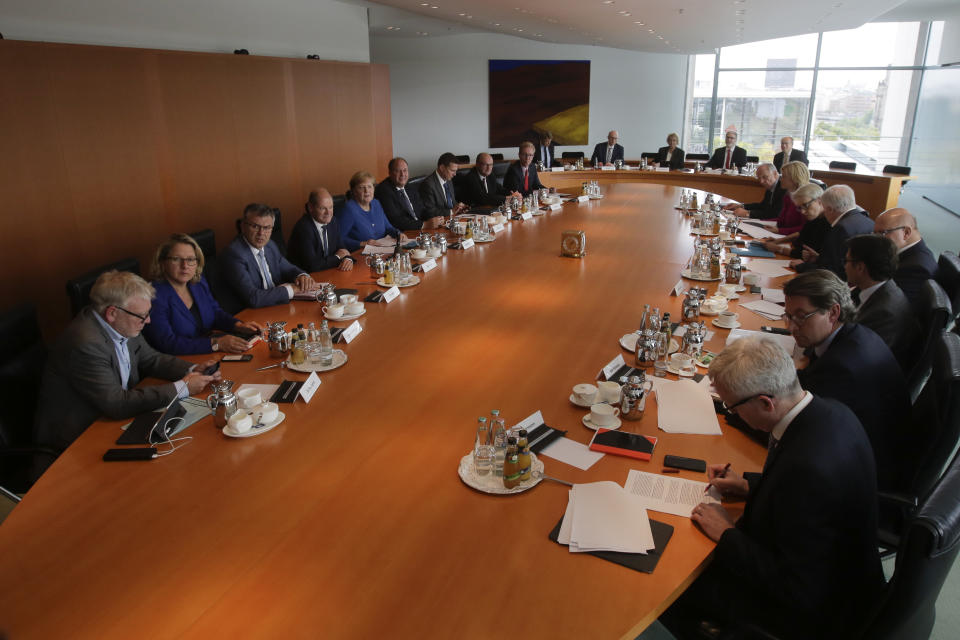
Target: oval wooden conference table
<point>349,520</point>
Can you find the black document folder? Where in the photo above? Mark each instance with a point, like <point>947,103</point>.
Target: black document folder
<point>645,562</point>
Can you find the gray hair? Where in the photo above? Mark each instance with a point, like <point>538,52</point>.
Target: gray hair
<point>768,166</point>
<point>116,288</point>
<point>809,190</point>
<point>824,289</point>
<point>839,198</point>
<point>755,365</point>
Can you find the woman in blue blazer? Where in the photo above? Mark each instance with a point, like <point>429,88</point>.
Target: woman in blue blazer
<point>184,311</point>
<point>362,219</point>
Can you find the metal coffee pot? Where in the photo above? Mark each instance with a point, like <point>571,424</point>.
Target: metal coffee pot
<point>441,241</point>
<point>632,393</point>
<point>222,402</point>
<point>277,339</point>
<point>646,351</point>
<point>327,294</point>
<point>691,305</point>
<point>377,266</point>
<point>424,241</point>
<point>693,339</point>
<point>734,270</point>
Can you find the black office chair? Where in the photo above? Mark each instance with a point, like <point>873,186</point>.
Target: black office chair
<point>934,312</point>
<point>893,168</point>
<point>496,156</point>
<point>571,155</point>
<point>649,155</point>
<point>849,166</point>
<point>224,294</point>
<point>697,156</point>
<point>948,275</point>
<point>819,183</point>
<point>338,201</point>
<point>754,159</point>
<point>208,244</point>
<point>22,358</point>
<point>78,289</point>
<point>413,184</point>
<point>500,170</point>
<point>930,543</point>
<point>463,159</point>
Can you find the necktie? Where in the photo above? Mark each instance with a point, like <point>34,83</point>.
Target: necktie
<point>545,157</point>
<point>609,154</point>
<point>771,452</point>
<point>448,189</point>
<point>123,357</point>
<point>406,200</point>
<point>526,180</point>
<point>265,270</point>
<point>812,356</point>
<point>323,238</point>
<point>726,165</point>
<point>483,183</point>
<point>855,296</point>
<point>772,443</point>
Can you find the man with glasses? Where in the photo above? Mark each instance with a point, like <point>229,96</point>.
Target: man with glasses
<point>768,208</point>
<point>479,188</point>
<point>608,153</point>
<point>254,267</point>
<point>802,561</point>
<point>522,175</point>
<point>846,220</point>
<point>96,364</point>
<point>916,261</point>
<point>729,156</point>
<point>848,362</point>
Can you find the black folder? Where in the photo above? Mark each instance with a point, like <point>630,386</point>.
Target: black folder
<point>645,562</point>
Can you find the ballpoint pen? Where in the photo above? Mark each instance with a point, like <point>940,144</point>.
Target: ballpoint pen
<point>724,475</point>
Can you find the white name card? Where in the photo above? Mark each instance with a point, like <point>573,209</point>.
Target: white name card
<point>310,387</point>
<point>556,169</point>
<point>612,367</point>
<point>555,206</point>
<point>429,265</point>
<point>390,294</point>
<point>677,288</point>
<point>466,244</point>
<point>582,198</point>
<point>526,216</point>
<point>529,423</point>
<point>354,329</point>
<point>497,228</point>
<point>607,168</point>
<point>663,168</point>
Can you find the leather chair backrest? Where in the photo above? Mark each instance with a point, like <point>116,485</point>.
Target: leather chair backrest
<point>464,171</point>
<point>496,156</point>
<point>930,546</point>
<point>78,289</point>
<point>948,275</point>
<point>697,156</point>
<point>649,155</point>
<point>819,183</point>
<point>571,155</point>
<point>463,159</point>
<point>934,312</point>
<point>207,242</point>
<point>753,159</point>
<point>850,166</point>
<point>894,168</point>
<point>338,202</point>
<point>22,358</point>
<point>413,184</point>
<point>221,290</point>
<point>500,170</point>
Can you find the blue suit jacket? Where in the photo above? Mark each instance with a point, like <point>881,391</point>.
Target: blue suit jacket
<point>173,329</point>
<point>357,225</point>
<point>306,250</point>
<point>834,249</point>
<point>600,153</point>
<point>239,268</point>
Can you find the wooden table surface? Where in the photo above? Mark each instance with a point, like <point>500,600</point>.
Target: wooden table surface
<point>349,520</point>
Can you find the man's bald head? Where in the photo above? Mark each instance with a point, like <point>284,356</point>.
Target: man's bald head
<point>899,225</point>
<point>320,205</point>
<point>484,164</point>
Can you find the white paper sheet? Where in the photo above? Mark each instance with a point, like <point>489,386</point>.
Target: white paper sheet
<point>767,267</point>
<point>787,342</point>
<point>759,233</point>
<point>670,494</point>
<point>372,249</point>
<point>571,452</point>
<point>764,307</point>
<point>604,516</point>
<point>683,406</point>
<point>773,295</point>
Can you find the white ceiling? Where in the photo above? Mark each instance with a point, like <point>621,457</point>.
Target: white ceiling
<point>662,26</point>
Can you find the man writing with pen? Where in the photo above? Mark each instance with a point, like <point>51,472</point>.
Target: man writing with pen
<point>802,561</point>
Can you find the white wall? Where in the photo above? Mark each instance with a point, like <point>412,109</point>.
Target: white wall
<point>439,101</point>
<point>286,28</point>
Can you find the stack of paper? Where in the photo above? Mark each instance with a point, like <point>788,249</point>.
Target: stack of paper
<point>768,310</point>
<point>773,295</point>
<point>683,406</point>
<point>772,268</point>
<point>603,516</point>
<point>673,495</point>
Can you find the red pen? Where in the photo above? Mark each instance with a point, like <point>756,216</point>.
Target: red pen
<point>719,475</point>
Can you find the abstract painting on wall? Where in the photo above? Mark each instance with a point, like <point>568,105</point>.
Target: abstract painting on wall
<point>529,97</point>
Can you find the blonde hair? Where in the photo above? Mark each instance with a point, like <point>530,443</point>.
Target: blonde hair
<point>797,172</point>
<point>163,252</point>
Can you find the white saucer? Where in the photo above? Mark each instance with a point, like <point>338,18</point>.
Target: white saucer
<point>574,400</point>
<point>257,431</point>
<point>339,359</point>
<point>589,424</point>
<point>721,326</point>
<point>740,288</point>
<point>409,283</point>
<point>712,309</point>
<point>629,342</point>
<point>672,369</point>
<point>345,316</point>
<point>686,274</point>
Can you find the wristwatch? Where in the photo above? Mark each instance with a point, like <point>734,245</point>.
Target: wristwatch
<point>214,345</point>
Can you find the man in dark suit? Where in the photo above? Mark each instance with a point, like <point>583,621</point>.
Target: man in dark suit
<point>916,261</point>
<point>479,187</point>
<point>846,220</point>
<point>100,359</point>
<point>402,206</point>
<point>522,175</point>
<point>315,242</point>
<point>870,264</point>
<point>607,153</point>
<point>437,192</point>
<point>850,363</point>
<point>792,155</point>
<point>802,561</point>
<point>730,156</point>
<point>254,268</point>
<point>546,150</point>
<point>768,208</point>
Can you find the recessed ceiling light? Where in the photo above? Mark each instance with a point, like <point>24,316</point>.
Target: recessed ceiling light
<point>660,37</point>
<point>469,17</point>
<point>627,13</point>
<point>650,30</point>
<point>496,24</point>
<point>521,30</point>
<point>539,35</point>
<point>424,4</point>
<point>639,22</point>
<point>422,33</point>
<point>607,1</point>
<point>461,14</point>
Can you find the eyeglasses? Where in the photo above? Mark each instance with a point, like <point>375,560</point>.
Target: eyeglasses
<point>187,261</point>
<point>258,227</point>
<point>798,320</point>
<point>806,205</point>
<point>730,408</point>
<point>141,318</point>
<point>883,232</point>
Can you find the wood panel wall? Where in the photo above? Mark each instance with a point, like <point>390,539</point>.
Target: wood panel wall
<point>107,150</point>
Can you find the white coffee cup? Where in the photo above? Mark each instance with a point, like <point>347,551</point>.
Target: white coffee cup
<point>266,412</point>
<point>435,252</point>
<point>348,298</point>
<point>727,290</point>
<point>604,415</point>
<point>585,393</point>
<point>751,279</point>
<point>727,318</point>
<point>334,310</point>
<point>609,392</point>
<point>354,308</point>
<point>248,398</point>
<point>419,254</point>
<point>724,235</point>
<point>682,363</point>
<point>239,422</point>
